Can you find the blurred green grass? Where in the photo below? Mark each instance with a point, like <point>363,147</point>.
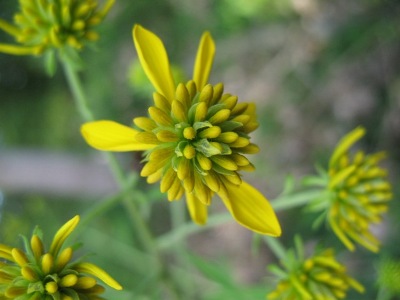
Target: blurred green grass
<point>316,68</point>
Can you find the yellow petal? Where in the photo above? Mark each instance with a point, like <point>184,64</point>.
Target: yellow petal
<point>197,210</point>
<point>204,60</point>
<point>98,272</point>
<point>111,136</point>
<point>19,50</point>
<point>62,234</point>
<point>154,60</point>
<point>9,28</point>
<point>345,143</point>
<point>251,209</point>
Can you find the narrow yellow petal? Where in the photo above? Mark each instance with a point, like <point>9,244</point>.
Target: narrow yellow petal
<point>19,50</point>
<point>251,209</point>
<point>154,60</point>
<point>62,234</point>
<point>19,257</point>
<point>197,210</point>
<point>345,143</point>
<point>340,234</point>
<point>111,136</point>
<point>5,252</point>
<point>9,28</point>
<point>204,60</point>
<point>94,270</point>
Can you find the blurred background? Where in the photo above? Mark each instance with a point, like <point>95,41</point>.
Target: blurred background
<point>315,68</point>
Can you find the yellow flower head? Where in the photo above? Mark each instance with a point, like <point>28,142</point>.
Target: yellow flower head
<point>196,137</point>
<point>318,277</point>
<point>357,193</point>
<point>39,274</point>
<point>47,24</point>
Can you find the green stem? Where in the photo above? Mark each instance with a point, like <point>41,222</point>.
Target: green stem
<point>77,91</point>
<point>275,245</point>
<point>383,294</point>
<point>119,175</point>
<point>294,200</point>
<point>279,204</point>
<point>171,238</point>
<point>106,204</point>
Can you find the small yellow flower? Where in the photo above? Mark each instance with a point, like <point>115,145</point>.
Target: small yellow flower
<point>319,277</point>
<point>37,274</point>
<point>196,137</point>
<point>46,24</point>
<point>357,193</point>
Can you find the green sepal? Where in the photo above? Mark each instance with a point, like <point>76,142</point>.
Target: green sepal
<point>52,277</point>
<point>175,162</point>
<point>180,147</point>
<point>27,247</point>
<point>198,168</point>
<point>200,125</point>
<point>206,148</point>
<point>38,231</point>
<point>56,296</point>
<point>229,125</point>
<point>35,287</point>
<point>72,293</point>
<point>214,109</point>
<point>192,112</point>
<point>226,150</point>
<point>217,168</point>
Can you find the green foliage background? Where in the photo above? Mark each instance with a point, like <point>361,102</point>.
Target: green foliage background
<point>316,69</point>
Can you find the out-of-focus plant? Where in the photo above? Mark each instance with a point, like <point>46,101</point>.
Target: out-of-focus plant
<point>194,139</point>
<point>37,273</point>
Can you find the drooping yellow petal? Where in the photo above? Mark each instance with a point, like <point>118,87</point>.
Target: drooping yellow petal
<point>204,60</point>
<point>345,143</point>
<point>112,136</point>
<point>197,210</point>
<point>250,209</point>
<point>98,272</point>
<point>154,60</point>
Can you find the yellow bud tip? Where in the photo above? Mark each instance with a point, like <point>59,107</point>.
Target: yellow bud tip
<point>19,257</point>
<point>51,287</point>
<point>47,263</point>
<point>69,280</point>
<point>189,152</point>
<point>189,133</point>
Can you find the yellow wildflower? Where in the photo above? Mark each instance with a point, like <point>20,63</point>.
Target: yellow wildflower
<point>45,24</point>
<point>318,277</point>
<point>357,193</point>
<point>195,136</point>
<point>39,274</point>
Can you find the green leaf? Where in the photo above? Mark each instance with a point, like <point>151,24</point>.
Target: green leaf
<point>214,271</point>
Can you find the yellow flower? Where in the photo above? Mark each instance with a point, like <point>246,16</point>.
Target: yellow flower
<point>357,193</point>
<point>195,136</point>
<point>39,274</point>
<point>45,24</point>
<point>319,277</point>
